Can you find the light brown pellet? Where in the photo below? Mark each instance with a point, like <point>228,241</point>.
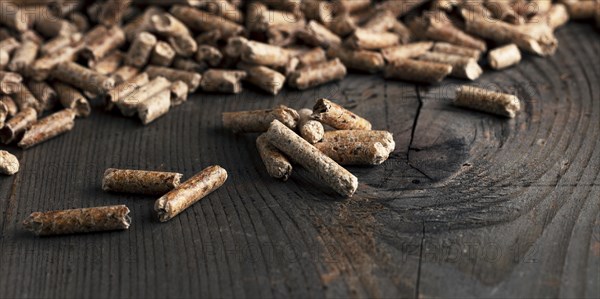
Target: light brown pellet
<point>556,16</point>
<point>10,83</point>
<point>83,78</point>
<point>177,33</point>
<point>4,59</point>
<point>14,128</point>
<point>314,56</point>
<point>313,160</point>
<point>487,101</point>
<point>70,97</point>
<point>124,73</point>
<point>128,104</point>
<point>163,54</point>
<point>504,57</point>
<point>141,23</point>
<point>75,221</point>
<point>209,54</point>
<point>59,42</point>
<point>417,71</point>
<point>190,78</point>
<point>411,50</point>
<point>381,21</point>
<point>25,99</point>
<point>98,47</point>
<point>154,107</point>
<point>259,120</point>
<point>341,24</point>
<point>503,10</point>
<point>442,47</point>
<point>108,64</point>
<point>223,81</point>
<point>264,54</point>
<point>311,130</point>
<point>348,136</point>
<point>369,40</point>
<point>43,66</point>
<point>50,26</point>
<point>190,192</point>
<point>124,89</point>
<point>203,21</point>
<point>24,57</point>
<point>263,77</point>
<point>9,103</point>
<point>437,27</point>
<point>317,74</point>
<point>179,93</point>
<point>354,153</point>
<point>318,35</point>
<point>48,128</point>
<point>338,117</point>
<point>44,93</point>
<point>362,60</point>
<point>277,165</point>
<point>112,11</point>
<point>9,164</point>
<point>140,181</point>
<point>462,67</point>
<point>141,49</point>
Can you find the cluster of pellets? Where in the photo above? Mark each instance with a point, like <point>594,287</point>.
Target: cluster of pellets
<point>290,136</point>
<point>175,197</point>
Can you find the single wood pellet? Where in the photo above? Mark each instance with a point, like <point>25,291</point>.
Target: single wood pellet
<point>264,54</point>
<point>190,78</point>
<point>417,71</point>
<point>83,78</point>
<point>277,165</point>
<point>17,125</point>
<point>179,93</point>
<point>190,192</point>
<point>338,117</point>
<point>310,129</point>
<point>259,120</point>
<point>141,49</point>
<point>9,164</point>
<point>74,221</point>
<point>209,54</point>
<point>313,160</point>
<point>354,153</point>
<point>106,41</point>
<point>462,67</point>
<point>70,97</point>
<point>48,128</point>
<point>155,106</point>
<point>140,181</point>
<point>223,81</point>
<point>44,93</point>
<point>487,101</point>
<point>263,77</point>
<point>317,74</point>
<point>25,99</point>
<point>411,50</point>
<point>362,60</point>
<point>505,56</point>
<point>369,40</point>
<point>442,47</point>
<point>365,136</point>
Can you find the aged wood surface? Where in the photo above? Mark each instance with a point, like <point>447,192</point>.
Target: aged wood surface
<point>469,205</point>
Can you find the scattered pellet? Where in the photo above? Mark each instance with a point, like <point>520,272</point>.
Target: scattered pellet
<point>338,117</point>
<point>98,47</point>
<point>310,129</point>
<point>70,97</point>
<point>411,50</point>
<point>179,93</point>
<point>277,165</point>
<point>369,40</point>
<point>109,64</point>
<point>362,60</point>
<point>190,192</point>
<point>209,54</point>
<point>177,33</point>
<point>10,83</point>
<point>128,104</point>
<point>224,81</point>
<point>155,106</point>
<point>124,89</point>
<point>190,78</point>
<point>9,164</point>
<point>354,153</point>
<point>442,47</point>
<point>263,77</point>
<point>140,50</point>
<point>487,101</point>
<point>11,106</point>
<point>259,120</point>
<point>462,67</point>
<point>140,181</point>
<point>14,128</point>
<point>24,57</point>
<point>317,74</point>
<point>83,78</point>
<point>504,57</point>
<point>305,154</point>
<point>348,136</point>
<point>75,221</point>
<point>202,21</point>
<point>48,127</point>
<point>44,93</point>
<point>417,70</point>
<point>163,54</point>
<point>25,99</point>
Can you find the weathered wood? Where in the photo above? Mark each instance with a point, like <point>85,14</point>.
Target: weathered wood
<point>468,205</point>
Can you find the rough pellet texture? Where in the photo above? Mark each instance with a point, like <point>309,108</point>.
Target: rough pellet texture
<point>112,11</point>
<point>83,78</point>
<point>179,93</point>
<point>277,165</point>
<point>162,55</point>
<point>264,54</point>
<point>487,101</point>
<point>141,49</point>
<point>264,78</point>
<point>411,50</point>
<point>209,54</point>
<point>190,192</point>
<point>348,136</point>
<point>361,60</point>
<point>462,67</point>
<point>24,57</point>
<point>223,81</point>
<point>354,153</point>
<point>369,40</point>
<point>155,106</point>
<point>13,129</point>
<point>9,164</point>
<point>190,78</point>
<point>442,47</point>
<point>259,120</point>
<point>124,73</point>
<point>70,97</point>
<point>504,57</point>
<point>128,104</point>
<point>203,21</point>
<point>317,74</point>
<point>176,32</point>
<point>338,117</point>
<point>417,71</point>
<point>48,127</point>
<point>316,55</point>
<point>437,27</point>
<point>74,221</point>
<point>25,99</point>
<point>11,106</point>
<point>140,181</point>
<point>310,129</point>
<point>305,154</point>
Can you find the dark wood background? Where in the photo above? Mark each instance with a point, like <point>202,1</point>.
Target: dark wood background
<point>469,205</point>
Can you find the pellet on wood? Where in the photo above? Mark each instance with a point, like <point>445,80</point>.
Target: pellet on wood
<point>259,120</point>
<point>179,93</point>
<point>338,117</point>
<point>48,127</point>
<point>23,57</point>
<point>417,70</point>
<point>190,78</point>
<point>318,35</point>
<point>355,153</point>
<point>10,83</point>
<point>109,64</point>
<point>264,54</point>
<point>411,50</point>
<point>97,48</point>
<point>83,78</point>
<point>438,28</point>
<point>209,54</point>
<point>442,47</point>
<point>9,164</point>
<point>277,165</point>
<point>462,67</point>
<point>177,34</point>
<point>348,136</point>
<point>305,154</point>
<point>315,55</point>
<point>111,12</point>
<point>124,73</point>
<point>59,42</point>
<point>224,81</point>
<point>14,128</point>
<point>128,104</point>
<point>202,21</point>
<point>154,107</point>
<point>487,101</point>
<point>162,55</point>
<point>504,57</point>
<point>25,99</point>
<point>70,97</point>
<point>317,74</point>
<point>190,192</point>
<point>189,65</point>
<point>140,181</point>
<point>141,49</point>
<point>44,93</point>
<point>311,130</point>
<point>263,77</point>
<point>369,40</point>
<point>75,221</point>
<point>11,106</point>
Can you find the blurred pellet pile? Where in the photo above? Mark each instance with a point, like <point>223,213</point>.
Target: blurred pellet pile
<point>144,57</point>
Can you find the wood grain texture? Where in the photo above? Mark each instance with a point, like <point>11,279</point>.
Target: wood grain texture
<point>469,205</point>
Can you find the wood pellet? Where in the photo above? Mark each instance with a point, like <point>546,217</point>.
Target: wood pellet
<point>140,181</point>
<point>487,101</point>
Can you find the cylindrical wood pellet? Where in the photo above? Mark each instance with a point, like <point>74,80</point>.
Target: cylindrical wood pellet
<point>155,106</point>
<point>141,49</point>
<point>179,93</point>
<point>417,71</point>
<point>338,117</point>
<point>462,67</point>
<point>48,128</point>
<point>259,120</point>
<point>318,35</point>
<point>310,129</point>
<point>362,60</point>
<point>487,101</point>
<point>128,104</point>
<point>25,99</point>
<point>59,42</point>
<point>277,165</point>
<point>70,97</point>
<point>317,74</point>
<point>503,57</point>
<point>10,83</point>
<point>163,54</point>
<point>190,78</point>
<point>140,181</point>
<point>190,192</point>
<point>83,78</point>
<point>223,81</point>
<point>109,64</point>
<point>203,21</point>
<point>11,106</point>
<point>9,164</point>
<point>354,153</point>
<point>411,50</point>
<point>437,27</point>
<point>442,47</point>
<point>97,48</point>
<point>264,54</point>
<point>369,40</point>
<point>13,129</point>
<point>348,136</point>
<point>189,65</point>
<point>177,33</point>
<point>24,57</point>
<point>314,56</point>
<point>124,73</point>
<point>42,67</point>
<point>74,221</point>
<point>111,11</point>
<point>305,154</point>
<point>209,54</point>
<point>44,93</point>
<point>263,77</point>
<point>124,89</point>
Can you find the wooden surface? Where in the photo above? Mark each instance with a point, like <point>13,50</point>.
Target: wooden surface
<point>469,205</point>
